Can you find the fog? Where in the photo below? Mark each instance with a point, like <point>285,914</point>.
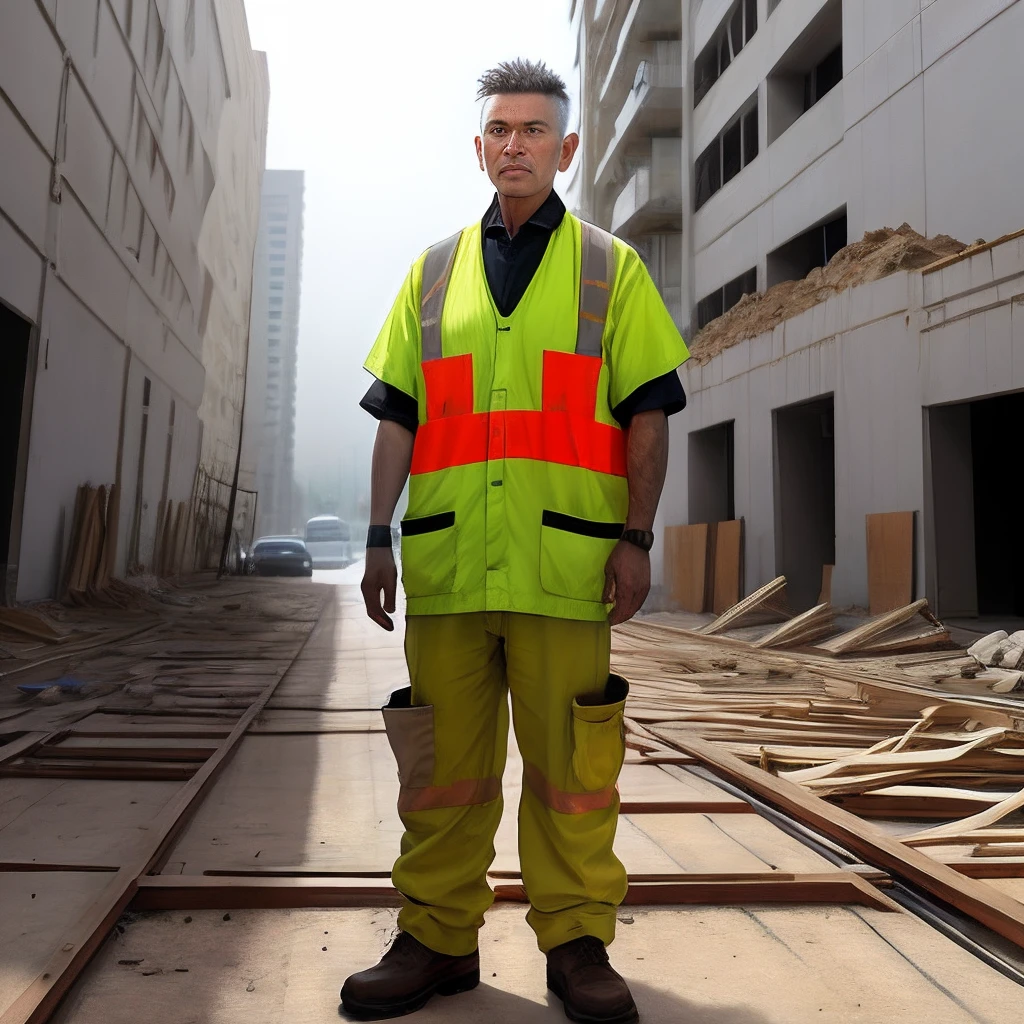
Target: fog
<point>375,102</point>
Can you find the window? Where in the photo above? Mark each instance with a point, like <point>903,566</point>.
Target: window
<point>736,147</point>
<point>277,286</point>
<point>276,300</point>
<point>732,35</point>
<point>807,72</point>
<point>721,300</point>
<point>278,243</point>
<point>277,257</point>
<point>823,78</point>
<point>277,271</point>
<point>814,248</point>
<point>277,216</point>
<point>279,231</point>
<point>275,314</point>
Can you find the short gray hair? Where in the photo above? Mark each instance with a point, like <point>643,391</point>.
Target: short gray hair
<point>519,76</point>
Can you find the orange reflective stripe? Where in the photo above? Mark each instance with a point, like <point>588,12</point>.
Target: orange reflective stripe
<point>558,437</point>
<point>559,800</point>
<point>570,383</point>
<point>449,384</point>
<point>464,793</point>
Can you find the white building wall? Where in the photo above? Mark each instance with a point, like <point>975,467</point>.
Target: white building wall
<point>131,168</point>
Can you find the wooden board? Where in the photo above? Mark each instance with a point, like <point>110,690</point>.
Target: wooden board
<point>320,801</point>
<point>651,789</point>
<point>706,843</point>
<point>890,539</point>
<point>727,588</point>
<point>687,549</point>
<point>36,911</point>
<point>713,965</point>
<point>78,822</point>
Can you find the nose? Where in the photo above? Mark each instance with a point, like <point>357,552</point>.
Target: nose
<point>515,143</point>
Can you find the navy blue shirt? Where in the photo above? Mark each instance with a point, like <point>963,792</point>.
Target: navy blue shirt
<point>510,264</point>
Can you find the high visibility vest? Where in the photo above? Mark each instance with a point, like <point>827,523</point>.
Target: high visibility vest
<point>518,490</point>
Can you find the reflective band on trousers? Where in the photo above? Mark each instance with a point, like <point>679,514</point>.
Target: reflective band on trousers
<point>561,801</point>
<point>464,793</point>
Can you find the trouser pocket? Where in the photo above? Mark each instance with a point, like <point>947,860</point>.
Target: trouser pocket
<point>598,732</point>
<point>411,735</point>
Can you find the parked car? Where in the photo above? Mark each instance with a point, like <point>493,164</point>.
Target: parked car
<point>280,556</point>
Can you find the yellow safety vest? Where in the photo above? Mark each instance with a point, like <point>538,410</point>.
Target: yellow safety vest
<point>518,491</point>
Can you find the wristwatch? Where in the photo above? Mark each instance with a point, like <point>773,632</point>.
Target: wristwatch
<point>643,539</point>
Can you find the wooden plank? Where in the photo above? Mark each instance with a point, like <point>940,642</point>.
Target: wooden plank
<point>834,888</point>
<point>728,574</point>
<point>891,545</point>
<point>776,964</point>
<point>648,789</point>
<point>996,911</point>
<point>206,892</point>
<point>686,565</point>
<point>41,997</point>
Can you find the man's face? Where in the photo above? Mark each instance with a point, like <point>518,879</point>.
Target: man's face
<point>521,148</point>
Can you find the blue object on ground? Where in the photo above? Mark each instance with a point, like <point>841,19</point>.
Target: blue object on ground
<point>67,683</point>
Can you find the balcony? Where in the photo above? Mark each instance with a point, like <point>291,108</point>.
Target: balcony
<point>645,20</point>
<point>653,106</point>
<point>652,201</point>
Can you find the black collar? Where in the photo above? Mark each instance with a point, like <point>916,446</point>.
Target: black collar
<point>547,218</point>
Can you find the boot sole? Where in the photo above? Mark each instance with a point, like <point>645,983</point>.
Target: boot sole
<point>631,1016</point>
<point>386,1011</point>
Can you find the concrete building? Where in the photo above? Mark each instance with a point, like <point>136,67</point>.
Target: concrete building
<point>277,283</point>
<point>133,139</point>
<point>740,143</point>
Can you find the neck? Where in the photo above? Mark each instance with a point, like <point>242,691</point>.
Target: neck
<point>516,212</point>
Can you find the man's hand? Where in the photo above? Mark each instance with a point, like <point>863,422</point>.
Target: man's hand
<point>627,581</point>
<point>380,574</point>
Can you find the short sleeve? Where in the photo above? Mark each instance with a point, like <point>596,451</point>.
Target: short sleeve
<point>395,356</point>
<point>642,341</point>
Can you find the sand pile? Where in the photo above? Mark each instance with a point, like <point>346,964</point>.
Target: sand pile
<point>879,254</point>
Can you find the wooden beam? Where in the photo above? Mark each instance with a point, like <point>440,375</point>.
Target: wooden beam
<point>1003,914</point>
<point>218,892</point>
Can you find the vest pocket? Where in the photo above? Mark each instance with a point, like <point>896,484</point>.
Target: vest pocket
<point>428,555</point>
<point>573,553</point>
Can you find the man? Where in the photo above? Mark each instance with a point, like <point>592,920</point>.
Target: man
<point>524,376</point>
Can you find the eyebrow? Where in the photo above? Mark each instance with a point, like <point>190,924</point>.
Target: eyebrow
<point>526,124</point>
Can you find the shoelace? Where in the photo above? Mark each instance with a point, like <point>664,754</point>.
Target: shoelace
<point>592,951</point>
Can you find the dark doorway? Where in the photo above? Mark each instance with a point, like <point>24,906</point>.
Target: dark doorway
<point>14,341</point>
<point>710,475</point>
<point>805,497</point>
<point>976,501</point>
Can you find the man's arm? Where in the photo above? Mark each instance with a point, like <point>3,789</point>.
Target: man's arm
<point>628,570</point>
<point>392,457</point>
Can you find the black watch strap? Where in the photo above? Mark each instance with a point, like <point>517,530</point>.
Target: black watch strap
<point>378,537</point>
<point>643,539</point>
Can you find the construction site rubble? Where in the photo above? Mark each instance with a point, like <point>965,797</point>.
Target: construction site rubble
<point>879,254</point>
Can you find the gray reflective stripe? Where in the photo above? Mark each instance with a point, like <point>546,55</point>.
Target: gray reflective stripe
<point>437,269</point>
<point>597,271</point>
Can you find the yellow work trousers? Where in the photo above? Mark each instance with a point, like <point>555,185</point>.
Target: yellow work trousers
<point>450,736</point>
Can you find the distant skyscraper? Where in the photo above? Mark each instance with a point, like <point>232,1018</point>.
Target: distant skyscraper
<point>274,342</point>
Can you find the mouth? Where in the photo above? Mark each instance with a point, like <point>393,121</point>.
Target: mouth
<point>515,170</point>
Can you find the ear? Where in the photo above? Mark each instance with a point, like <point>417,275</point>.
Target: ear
<point>480,152</point>
<point>569,146</point>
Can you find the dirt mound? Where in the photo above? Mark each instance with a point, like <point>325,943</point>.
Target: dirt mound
<point>879,254</point>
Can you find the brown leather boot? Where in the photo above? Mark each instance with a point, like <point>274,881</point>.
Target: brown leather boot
<point>406,977</point>
<point>589,987</point>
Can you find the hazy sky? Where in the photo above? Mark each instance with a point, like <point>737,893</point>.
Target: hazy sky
<point>374,101</point>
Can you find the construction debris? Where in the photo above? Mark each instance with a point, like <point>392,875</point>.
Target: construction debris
<point>763,606</point>
<point>879,254</point>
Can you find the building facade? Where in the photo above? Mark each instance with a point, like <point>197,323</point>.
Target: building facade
<point>133,135</point>
<point>739,144</point>
<point>277,284</point>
